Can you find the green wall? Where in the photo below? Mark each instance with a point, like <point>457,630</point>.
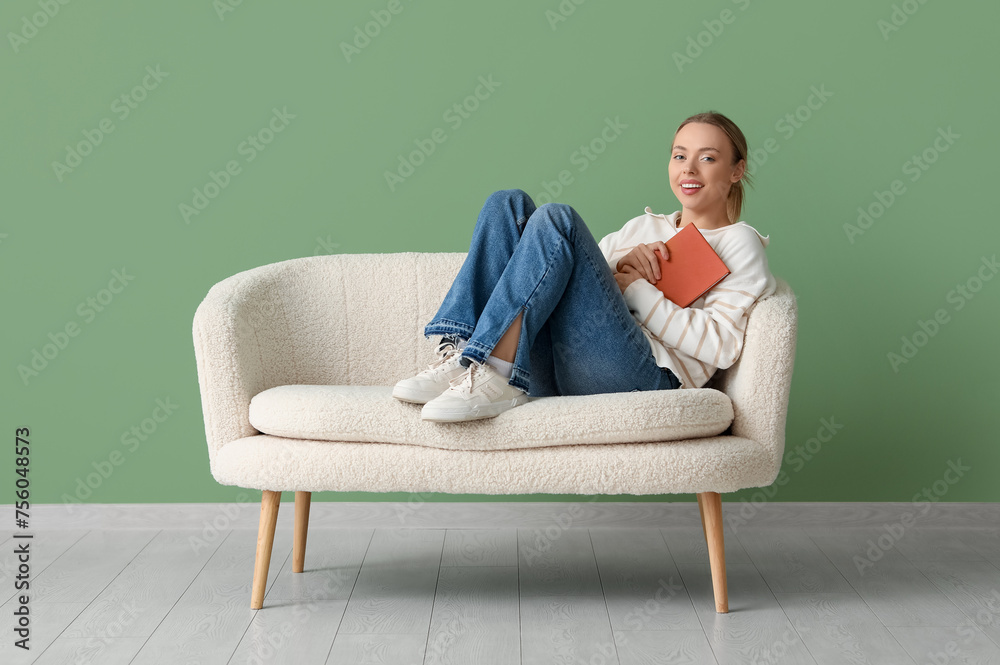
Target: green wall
<point>838,100</point>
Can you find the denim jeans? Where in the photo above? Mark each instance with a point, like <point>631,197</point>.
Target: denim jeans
<point>577,334</point>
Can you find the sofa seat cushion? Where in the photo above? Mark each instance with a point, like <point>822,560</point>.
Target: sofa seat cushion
<point>372,414</point>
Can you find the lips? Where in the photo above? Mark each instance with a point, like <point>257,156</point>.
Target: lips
<point>690,189</point>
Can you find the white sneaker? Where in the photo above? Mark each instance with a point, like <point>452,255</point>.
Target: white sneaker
<point>481,392</point>
<point>435,379</point>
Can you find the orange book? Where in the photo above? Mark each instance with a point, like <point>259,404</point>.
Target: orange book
<point>693,268</point>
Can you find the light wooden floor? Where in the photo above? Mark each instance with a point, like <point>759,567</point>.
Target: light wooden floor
<point>541,594</point>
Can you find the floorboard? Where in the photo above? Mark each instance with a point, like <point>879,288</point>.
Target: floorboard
<point>433,586</point>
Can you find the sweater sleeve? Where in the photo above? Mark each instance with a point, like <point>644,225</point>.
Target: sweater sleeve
<point>712,334</point>
<point>611,247</point>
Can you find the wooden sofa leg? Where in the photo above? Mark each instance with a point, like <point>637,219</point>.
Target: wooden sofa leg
<point>701,512</point>
<point>711,516</point>
<point>302,500</point>
<point>269,502</point>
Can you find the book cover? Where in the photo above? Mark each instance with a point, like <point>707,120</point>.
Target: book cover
<point>692,269</point>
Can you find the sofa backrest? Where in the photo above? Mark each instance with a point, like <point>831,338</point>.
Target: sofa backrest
<point>358,319</point>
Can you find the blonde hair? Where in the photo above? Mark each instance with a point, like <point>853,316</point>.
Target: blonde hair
<point>734,202</point>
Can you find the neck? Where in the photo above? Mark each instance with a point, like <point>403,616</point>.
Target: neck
<point>706,221</point>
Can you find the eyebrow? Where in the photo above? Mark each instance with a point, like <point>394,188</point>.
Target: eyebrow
<point>680,147</point>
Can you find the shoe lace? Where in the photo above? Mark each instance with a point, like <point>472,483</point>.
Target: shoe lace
<point>444,351</point>
<point>475,372</point>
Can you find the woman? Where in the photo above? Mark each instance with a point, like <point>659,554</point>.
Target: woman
<point>540,308</point>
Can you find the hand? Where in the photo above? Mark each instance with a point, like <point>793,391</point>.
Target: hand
<point>626,277</point>
<point>643,260</point>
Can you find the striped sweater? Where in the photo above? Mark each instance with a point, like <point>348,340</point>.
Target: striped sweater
<point>695,341</point>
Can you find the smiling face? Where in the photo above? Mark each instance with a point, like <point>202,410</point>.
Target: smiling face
<point>702,158</point>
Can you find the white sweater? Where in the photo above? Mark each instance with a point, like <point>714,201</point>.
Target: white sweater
<point>695,341</point>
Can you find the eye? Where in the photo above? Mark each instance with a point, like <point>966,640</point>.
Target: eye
<point>678,155</point>
<point>712,158</point>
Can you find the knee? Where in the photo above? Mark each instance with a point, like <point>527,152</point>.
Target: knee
<point>555,208</point>
<point>556,213</point>
<point>504,196</point>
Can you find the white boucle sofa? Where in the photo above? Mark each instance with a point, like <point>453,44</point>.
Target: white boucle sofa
<point>296,362</point>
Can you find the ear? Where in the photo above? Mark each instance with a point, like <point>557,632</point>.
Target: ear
<point>741,167</point>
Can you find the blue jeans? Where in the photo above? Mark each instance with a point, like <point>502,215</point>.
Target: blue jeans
<point>577,334</point>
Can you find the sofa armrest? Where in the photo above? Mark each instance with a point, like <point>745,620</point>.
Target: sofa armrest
<point>316,320</point>
<point>241,331</point>
<point>759,382</point>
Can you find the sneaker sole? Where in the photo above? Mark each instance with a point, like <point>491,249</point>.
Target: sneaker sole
<point>461,414</point>
<point>414,396</point>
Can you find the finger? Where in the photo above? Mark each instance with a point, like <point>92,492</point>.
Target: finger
<point>651,265</point>
<point>656,262</point>
<point>640,259</point>
<point>663,252</point>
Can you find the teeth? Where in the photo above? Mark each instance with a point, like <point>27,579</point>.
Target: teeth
<point>689,186</point>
